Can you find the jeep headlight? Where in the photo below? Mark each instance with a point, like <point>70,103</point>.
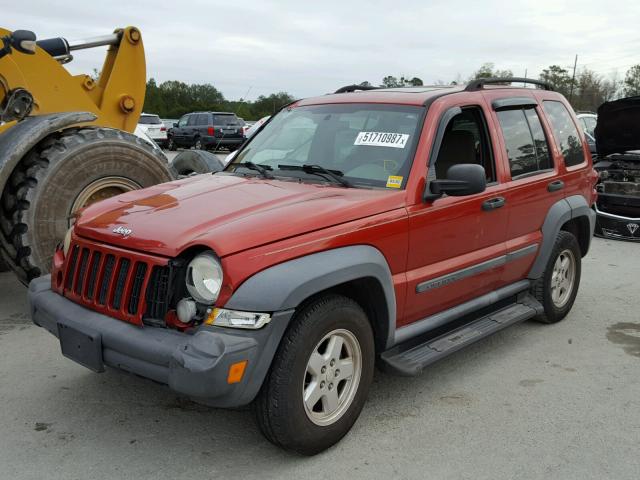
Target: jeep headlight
<point>66,243</point>
<point>204,278</point>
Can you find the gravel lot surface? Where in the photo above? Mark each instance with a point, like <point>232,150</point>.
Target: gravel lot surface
<point>534,401</point>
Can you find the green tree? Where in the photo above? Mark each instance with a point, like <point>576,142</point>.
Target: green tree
<point>588,93</point>
<point>268,105</point>
<point>390,82</point>
<point>631,85</point>
<point>393,82</point>
<point>487,70</point>
<point>558,77</point>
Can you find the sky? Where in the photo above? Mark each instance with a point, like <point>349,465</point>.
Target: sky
<point>247,48</point>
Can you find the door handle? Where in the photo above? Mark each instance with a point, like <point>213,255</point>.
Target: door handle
<point>493,203</point>
<point>555,186</point>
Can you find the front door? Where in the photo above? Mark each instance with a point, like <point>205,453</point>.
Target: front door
<point>457,244</point>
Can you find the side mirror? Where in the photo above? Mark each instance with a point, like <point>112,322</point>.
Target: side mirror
<point>463,179</point>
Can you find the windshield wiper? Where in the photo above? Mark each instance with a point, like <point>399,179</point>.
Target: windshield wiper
<point>335,175</point>
<point>258,168</point>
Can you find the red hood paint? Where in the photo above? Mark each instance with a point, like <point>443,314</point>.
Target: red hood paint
<point>226,212</point>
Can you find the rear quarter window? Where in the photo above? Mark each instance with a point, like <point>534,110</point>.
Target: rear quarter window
<point>565,132</point>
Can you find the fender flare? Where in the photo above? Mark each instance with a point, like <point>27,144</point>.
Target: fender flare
<point>560,213</point>
<point>16,142</point>
<point>287,285</point>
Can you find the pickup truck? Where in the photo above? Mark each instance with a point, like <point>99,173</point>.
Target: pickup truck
<point>371,226</point>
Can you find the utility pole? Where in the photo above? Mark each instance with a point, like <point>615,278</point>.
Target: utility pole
<point>573,78</point>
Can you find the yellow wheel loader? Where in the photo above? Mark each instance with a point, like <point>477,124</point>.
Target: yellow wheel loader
<point>65,140</point>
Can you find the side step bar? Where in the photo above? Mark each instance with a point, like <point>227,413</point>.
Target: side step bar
<point>411,360</point>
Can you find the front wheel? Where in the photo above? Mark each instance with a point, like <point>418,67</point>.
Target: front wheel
<point>556,290</point>
<point>320,377</point>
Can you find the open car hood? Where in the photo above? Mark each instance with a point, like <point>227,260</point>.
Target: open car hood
<point>618,128</point>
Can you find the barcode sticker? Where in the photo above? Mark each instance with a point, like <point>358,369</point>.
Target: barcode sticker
<point>382,139</point>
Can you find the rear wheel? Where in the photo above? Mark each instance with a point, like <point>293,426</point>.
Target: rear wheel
<point>197,144</point>
<point>320,377</point>
<point>556,290</point>
<point>61,175</point>
<point>171,144</point>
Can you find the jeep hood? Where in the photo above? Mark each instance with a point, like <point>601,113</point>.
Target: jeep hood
<point>226,212</point>
<point>618,128</point>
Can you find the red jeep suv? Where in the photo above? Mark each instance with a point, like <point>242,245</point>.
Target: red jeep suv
<point>386,225</point>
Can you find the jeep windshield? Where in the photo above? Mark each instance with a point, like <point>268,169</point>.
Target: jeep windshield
<point>368,145</point>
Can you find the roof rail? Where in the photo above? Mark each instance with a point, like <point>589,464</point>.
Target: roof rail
<point>353,88</point>
<point>479,84</point>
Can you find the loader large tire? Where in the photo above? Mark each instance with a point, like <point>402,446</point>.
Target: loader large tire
<point>65,172</point>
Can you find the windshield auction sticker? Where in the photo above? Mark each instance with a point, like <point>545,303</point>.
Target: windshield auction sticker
<point>382,139</point>
<point>394,181</point>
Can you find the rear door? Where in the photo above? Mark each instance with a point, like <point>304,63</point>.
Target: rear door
<point>533,176</point>
<point>572,147</point>
<point>456,244</point>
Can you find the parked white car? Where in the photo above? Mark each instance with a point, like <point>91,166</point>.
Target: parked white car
<point>254,128</point>
<point>588,121</point>
<point>153,126</point>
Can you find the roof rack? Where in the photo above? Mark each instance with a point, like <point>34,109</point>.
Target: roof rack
<point>353,88</point>
<point>479,84</point>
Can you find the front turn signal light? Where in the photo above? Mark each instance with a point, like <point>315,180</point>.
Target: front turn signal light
<point>236,372</point>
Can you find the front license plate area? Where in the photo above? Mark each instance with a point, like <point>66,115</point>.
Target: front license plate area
<point>82,347</point>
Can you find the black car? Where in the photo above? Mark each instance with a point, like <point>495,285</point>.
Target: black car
<point>617,136</point>
<point>207,130</point>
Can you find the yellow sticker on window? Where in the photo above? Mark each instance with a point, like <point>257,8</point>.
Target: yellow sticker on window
<point>394,181</point>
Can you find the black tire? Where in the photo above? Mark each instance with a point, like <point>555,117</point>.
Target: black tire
<point>542,287</point>
<point>195,161</point>
<point>36,203</point>
<point>197,144</point>
<point>279,407</point>
<point>171,144</point>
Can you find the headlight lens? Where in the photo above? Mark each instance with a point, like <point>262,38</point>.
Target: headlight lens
<point>66,243</point>
<point>204,278</point>
<point>221,317</point>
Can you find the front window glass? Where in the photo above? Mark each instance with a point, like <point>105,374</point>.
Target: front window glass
<point>367,145</point>
<point>183,121</point>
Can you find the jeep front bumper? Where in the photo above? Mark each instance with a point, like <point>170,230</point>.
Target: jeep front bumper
<point>196,365</point>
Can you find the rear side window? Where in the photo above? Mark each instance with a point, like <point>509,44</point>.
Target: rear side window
<point>564,132</point>
<point>527,146</point>
<point>202,119</point>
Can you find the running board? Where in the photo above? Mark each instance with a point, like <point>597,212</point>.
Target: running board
<point>412,359</point>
